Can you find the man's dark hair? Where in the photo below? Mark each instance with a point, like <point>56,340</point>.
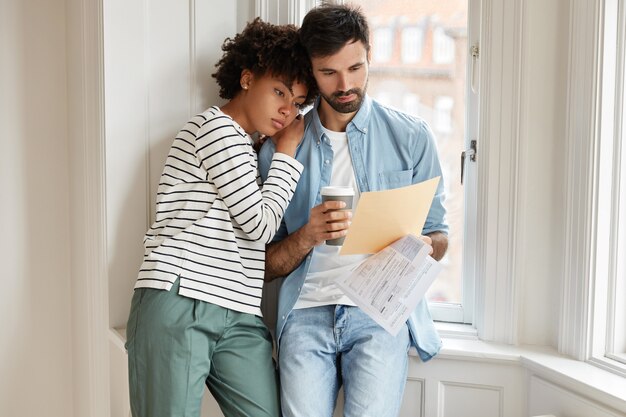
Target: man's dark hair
<point>328,28</point>
<point>264,48</point>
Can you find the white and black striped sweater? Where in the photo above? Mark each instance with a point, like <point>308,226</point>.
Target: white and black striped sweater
<point>213,218</point>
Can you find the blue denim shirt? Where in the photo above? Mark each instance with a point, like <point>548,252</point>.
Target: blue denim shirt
<point>389,149</point>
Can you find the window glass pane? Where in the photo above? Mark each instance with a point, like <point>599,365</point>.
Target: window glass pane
<point>383,44</point>
<point>411,104</point>
<point>411,44</point>
<point>443,46</point>
<point>443,114</point>
<point>421,77</point>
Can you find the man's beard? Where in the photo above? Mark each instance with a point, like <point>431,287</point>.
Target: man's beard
<point>348,107</point>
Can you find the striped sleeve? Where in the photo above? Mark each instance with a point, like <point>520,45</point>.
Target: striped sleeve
<point>230,161</point>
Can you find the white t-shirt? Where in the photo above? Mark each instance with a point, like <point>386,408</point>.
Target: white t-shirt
<point>326,265</point>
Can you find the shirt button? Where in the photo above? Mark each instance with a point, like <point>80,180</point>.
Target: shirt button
<point>365,130</point>
<point>327,162</point>
<point>283,317</point>
<point>318,142</point>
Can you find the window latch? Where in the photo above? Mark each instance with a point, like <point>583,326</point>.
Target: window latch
<point>471,153</point>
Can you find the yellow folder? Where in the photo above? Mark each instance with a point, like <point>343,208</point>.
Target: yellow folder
<point>383,217</point>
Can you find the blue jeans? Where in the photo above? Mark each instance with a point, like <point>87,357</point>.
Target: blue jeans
<point>322,348</point>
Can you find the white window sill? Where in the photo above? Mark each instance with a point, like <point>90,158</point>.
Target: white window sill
<point>117,336</point>
<point>460,342</point>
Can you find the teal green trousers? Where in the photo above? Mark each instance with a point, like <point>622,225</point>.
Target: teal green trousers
<point>176,345</point>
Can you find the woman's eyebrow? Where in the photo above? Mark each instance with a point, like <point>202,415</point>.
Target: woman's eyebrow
<point>290,89</point>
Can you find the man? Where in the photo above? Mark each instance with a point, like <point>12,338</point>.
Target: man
<point>324,340</point>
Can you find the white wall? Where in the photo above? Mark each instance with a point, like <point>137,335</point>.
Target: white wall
<point>35,343</point>
<point>158,64</point>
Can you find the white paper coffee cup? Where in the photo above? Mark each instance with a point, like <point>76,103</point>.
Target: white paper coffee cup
<point>338,193</point>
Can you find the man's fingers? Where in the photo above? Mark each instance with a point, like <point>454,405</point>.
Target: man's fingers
<point>337,216</point>
<point>332,205</point>
<point>335,226</point>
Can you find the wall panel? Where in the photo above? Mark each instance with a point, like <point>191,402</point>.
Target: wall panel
<point>470,400</point>
<point>413,402</point>
<point>470,388</point>
<point>548,398</point>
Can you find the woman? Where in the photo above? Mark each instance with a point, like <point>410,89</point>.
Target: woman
<point>195,313</point>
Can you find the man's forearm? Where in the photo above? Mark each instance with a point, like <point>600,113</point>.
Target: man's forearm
<point>439,244</point>
<point>282,257</point>
<point>326,221</point>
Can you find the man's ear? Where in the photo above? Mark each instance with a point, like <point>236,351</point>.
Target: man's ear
<point>246,78</point>
<point>369,55</point>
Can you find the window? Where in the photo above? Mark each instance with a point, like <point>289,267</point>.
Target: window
<point>443,47</point>
<point>411,104</point>
<point>383,44</point>
<point>412,39</point>
<point>608,334</point>
<point>435,93</point>
<point>443,114</point>
<point>593,314</point>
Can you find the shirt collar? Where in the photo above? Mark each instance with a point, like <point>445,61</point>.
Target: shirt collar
<point>362,117</point>
<point>359,121</point>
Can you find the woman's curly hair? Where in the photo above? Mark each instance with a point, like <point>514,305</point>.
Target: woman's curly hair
<point>264,48</point>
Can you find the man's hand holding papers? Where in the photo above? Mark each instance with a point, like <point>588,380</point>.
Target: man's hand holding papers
<point>389,284</point>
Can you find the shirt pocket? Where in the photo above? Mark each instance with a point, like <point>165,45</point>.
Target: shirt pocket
<point>395,179</point>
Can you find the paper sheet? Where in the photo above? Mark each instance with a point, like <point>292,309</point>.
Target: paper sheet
<point>388,285</point>
<point>383,217</point>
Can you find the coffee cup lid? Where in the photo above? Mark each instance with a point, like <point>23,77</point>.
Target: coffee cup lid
<point>333,190</point>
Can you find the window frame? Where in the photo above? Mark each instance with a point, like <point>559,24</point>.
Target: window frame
<point>595,160</point>
<point>606,338</point>
<point>615,348</point>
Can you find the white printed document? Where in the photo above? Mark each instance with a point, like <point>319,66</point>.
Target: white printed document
<point>388,285</point>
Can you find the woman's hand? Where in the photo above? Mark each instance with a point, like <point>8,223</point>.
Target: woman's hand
<point>259,142</point>
<point>287,139</point>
